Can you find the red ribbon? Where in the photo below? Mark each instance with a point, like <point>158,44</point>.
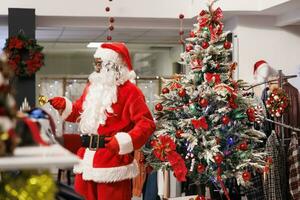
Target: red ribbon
<point>213,78</point>
<point>164,148</point>
<point>218,14</point>
<point>200,123</point>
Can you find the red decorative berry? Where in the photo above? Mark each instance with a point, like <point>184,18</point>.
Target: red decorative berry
<point>200,168</point>
<point>178,133</point>
<point>181,16</point>
<point>158,107</point>
<point>182,93</point>
<point>218,158</point>
<point>204,45</point>
<point>202,13</point>
<point>227,45</point>
<point>107,9</point>
<point>165,90</point>
<point>192,34</point>
<point>181,32</point>
<point>243,146</point>
<point>246,176</point>
<point>189,47</point>
<point>109,37</point>
<point>111,27</point>
<point>111,20</point>
<point>203,102</point>
<point>200,197</point>
<point>225,120</point>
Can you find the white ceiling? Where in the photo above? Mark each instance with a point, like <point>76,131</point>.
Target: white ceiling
<point>59,29</point>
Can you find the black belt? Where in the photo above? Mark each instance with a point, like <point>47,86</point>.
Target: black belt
<point>93,141</point>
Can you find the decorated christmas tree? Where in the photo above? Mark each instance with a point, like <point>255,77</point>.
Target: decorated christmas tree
<point>205,120</point>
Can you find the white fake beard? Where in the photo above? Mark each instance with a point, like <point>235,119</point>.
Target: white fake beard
<point>102,93</point>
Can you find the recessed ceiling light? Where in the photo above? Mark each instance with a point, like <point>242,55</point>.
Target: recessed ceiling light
<point>93,44</point>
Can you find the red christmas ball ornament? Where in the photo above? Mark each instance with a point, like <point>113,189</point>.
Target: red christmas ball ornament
<point>200,168</point>
<point>165,90</point>
<point>182,93</point>
<point>218,158</point>
<point>189,47</point>
<point>204,45</point>
<point>107,9</point>
<point>178,133</point>
<point>192,34</point>
<point>203,103</point>
<point>181,32</point>
<point>225,120</point>
<point>200,197</point>
<point>111,27</point>
<point>227,45</point>
<point>158,107</point>
<point>181,16</point>
<point>202,13</point>
<point>111,20</point>
<point>109,37</point>
<point>246,176</point>
<point>243,146</point>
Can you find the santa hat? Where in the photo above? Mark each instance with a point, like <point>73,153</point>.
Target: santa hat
<point>259,64</point>
<point>117,53</point>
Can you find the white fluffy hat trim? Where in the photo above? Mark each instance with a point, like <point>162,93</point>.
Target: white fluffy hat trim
<point>108,55</point>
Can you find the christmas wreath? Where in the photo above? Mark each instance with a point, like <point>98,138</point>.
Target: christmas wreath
<point>25,56</point>
<point>277,102</point>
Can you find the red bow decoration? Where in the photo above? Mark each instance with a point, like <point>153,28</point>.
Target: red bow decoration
<point>200,123</point>
<point>213,78</point>
<point>164,149</point>
<point>197,64</point>
<point>175,85</point>
<point>218,14</point>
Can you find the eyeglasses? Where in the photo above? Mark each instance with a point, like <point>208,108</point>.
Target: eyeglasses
<point>98,62</point>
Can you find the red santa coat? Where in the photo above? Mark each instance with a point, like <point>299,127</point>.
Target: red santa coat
<point>131,124</point>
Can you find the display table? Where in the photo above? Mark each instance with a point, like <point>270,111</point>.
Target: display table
<point>41,157</point>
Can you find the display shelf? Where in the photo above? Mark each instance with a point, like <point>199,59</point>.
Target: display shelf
<point>41,157</point>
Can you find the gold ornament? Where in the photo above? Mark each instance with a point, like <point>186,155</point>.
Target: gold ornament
<point>4,136</point>
<point>43,100</point>
<point>25,185</point>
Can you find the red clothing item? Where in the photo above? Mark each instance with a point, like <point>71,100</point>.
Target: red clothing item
<point>131,125</point>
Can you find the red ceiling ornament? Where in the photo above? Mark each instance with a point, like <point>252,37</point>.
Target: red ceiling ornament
<point>181,32</point>
<point>111,27</point>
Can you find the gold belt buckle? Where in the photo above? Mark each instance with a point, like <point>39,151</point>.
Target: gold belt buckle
<point>91,142</point>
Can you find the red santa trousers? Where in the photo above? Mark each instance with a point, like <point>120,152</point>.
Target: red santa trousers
<point>103,191</point>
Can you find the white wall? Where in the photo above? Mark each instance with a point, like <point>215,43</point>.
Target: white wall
<point>260,39</point>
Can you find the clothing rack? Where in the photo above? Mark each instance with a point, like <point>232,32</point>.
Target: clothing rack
<point>280,80</point>
<point>269,81</point>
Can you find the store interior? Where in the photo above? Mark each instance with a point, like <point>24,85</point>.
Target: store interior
<point>155,34</point>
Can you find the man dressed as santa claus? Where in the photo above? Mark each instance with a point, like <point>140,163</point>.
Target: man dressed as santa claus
<point>114,121</point>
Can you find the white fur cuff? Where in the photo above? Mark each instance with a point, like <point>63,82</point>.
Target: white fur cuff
<point>125,143</point>
<point>68,110</point>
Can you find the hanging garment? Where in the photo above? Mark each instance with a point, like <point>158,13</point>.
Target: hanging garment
<point>275,182</point>
<point>255,191</point>
<point>150,190</point>
<point>138,182</point>
<point>292,115</point>
<point>294,167</point>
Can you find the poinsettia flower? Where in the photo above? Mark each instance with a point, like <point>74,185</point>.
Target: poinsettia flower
<point>162,146</point>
